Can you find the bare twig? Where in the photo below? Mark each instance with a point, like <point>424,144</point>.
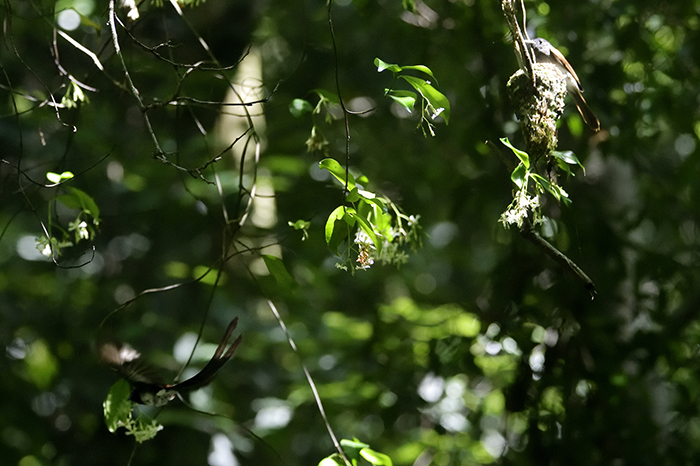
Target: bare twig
<point>522,52</point>
<point>528,232</point>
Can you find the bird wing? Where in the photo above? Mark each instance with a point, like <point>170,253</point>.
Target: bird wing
<point>128,363</point>
<point>217,361</point>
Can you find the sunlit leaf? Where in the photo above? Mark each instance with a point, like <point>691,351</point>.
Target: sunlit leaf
<point>367,228</point>
<point>436,98</point>
<point>117,406</point>
<point>57,178</point>
<point>568,157</point>
<point>333,460</point>
<point>382,65</point>
<point>353,196</point>
<point>337,171</point>
<point>376,458</point>
<point>406,99</point>
<point>421,68</point>
<point>523,156</point>
<point>518,176</point>
<point>336,215</point>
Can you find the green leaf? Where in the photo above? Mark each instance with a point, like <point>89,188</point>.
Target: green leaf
<point>279,271</point>
<point>519,175</point>
<point>333,460</point>
<point>354,195</point>
<point>367,228</point>
<point>523,156</point>
<point>568,157</point>
<point>406,99</point>
<point>356,444</point>
<point>436,98</point>
<point>337,171</point>
<point>553,188</point>
<point>298,107</point>
<point>336,215</point>
<point>382,65</point>
<point>421,68</point>
<point>376,458</point>
<point>57,178</point>
<point>117,406</point>
<point>300,224</point>
<point>77,199</point>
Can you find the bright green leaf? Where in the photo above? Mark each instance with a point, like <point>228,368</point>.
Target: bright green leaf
<point>382,65</point>
<point>569,157</point>
<point>421,68</point>
<point>57,178</point>
<point>346,443</point>
<point>117,406</point>
<point>523,156</point>
<point>376,458</point>
<point>300,224</point>
<point>367,228</point>
<point>436,98</point>
<point>337,214</point>
<point>406,99</point>
<point>333,460</point>
<point>353,196</point>
<point>519,175</point>
<point>409,5</point>
<point>337,171</point>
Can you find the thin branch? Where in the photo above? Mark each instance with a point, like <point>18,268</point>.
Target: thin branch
<point>310,380</point>
<point>528,232</point>
<point>80,47</point>
<point>522,52</point>
<point>340,98</point>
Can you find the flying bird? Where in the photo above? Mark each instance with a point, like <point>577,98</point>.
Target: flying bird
<point>146,386</point>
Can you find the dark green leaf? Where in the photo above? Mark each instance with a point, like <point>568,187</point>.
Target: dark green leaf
<point>279,271</point>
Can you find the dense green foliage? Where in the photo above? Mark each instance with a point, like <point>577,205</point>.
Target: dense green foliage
<point>136,205</point>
